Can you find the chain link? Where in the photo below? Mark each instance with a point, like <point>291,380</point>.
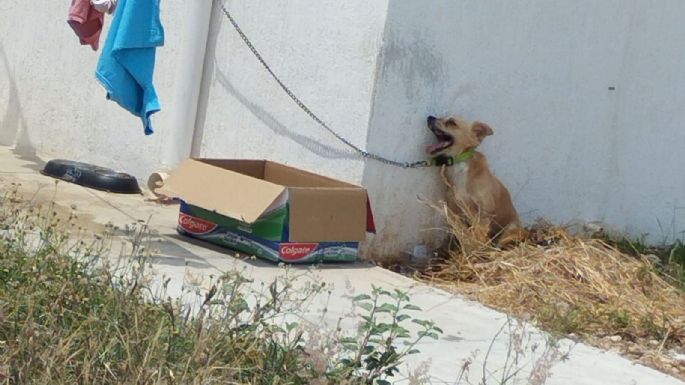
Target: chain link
<point>364,154</point>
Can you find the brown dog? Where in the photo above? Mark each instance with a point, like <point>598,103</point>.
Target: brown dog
<point>475,187</point>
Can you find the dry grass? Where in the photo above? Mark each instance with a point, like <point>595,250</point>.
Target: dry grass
<point>569,286</point>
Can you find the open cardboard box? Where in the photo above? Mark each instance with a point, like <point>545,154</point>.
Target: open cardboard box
<point>270,210</point>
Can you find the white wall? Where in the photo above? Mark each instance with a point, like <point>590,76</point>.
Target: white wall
<point>326,51</point>
<point>51,104</point>
<point>539,72</point>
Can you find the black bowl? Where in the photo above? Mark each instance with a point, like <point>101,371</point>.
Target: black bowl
<point>91,176</point>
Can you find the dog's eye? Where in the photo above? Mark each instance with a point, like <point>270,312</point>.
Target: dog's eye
<point>451,122</point>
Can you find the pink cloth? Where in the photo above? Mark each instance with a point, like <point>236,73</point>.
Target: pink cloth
<point>87,22</point>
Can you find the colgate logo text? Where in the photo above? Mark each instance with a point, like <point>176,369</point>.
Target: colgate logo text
<point>296,251</point>
<point>195,225</point>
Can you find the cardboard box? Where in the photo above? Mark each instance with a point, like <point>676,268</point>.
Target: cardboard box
<point>270,210</point>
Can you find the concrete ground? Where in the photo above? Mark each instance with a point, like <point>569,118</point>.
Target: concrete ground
<point>469,327</point>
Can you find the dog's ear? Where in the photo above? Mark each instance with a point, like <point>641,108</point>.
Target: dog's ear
<point>481,130</point>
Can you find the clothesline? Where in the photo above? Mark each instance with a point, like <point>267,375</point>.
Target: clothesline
<point>127,61</point>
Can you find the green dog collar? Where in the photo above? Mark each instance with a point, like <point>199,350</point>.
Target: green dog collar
<point>452,160</point>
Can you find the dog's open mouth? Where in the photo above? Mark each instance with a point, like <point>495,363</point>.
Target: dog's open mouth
<point>445,141</point>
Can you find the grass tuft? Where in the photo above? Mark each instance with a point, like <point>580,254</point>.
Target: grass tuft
<point>570,286</point>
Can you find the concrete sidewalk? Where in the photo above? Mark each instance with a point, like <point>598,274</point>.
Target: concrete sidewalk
<point>468,326</point>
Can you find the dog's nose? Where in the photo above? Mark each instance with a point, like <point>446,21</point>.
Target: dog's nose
<point>431,119</point>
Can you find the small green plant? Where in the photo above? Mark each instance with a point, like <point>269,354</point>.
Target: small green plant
<point>674,260</point>
<point>620,319</point>
<point>373,356</point>
<point>669,261</point>
<point>562,320</point>
<point>634,247</point>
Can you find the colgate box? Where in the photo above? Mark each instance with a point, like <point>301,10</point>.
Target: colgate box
<point>270,210</point>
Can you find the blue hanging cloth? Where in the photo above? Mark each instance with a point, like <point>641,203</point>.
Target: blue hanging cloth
<point>127,62</point>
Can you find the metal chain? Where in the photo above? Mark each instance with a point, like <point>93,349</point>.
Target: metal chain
<point>364,154</point>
